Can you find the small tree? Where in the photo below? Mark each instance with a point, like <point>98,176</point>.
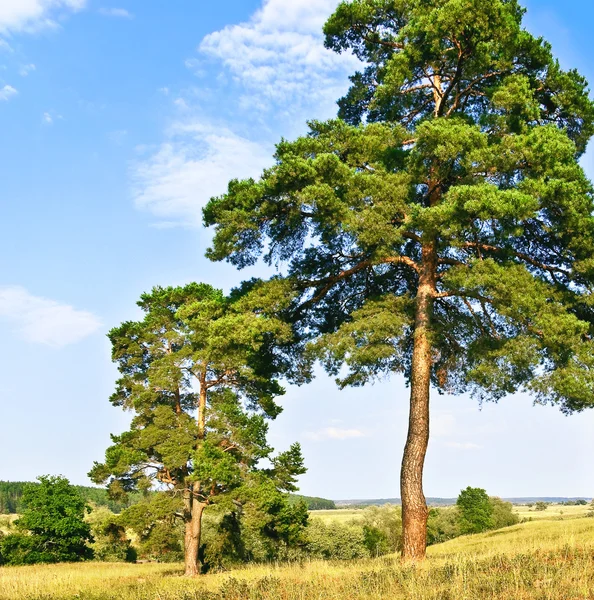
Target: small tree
<point>197,374</point>
<point>443,229</point>
<point>475,511</point>
<point>503,513</point>
<point>52,526</point>
<point>540,505</point>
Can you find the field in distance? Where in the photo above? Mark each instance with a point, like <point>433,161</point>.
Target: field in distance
<point>546,559</point>
<point>553,511</point>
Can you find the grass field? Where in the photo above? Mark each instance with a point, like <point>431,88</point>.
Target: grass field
<point>540,560</point>
<point>554,511</point>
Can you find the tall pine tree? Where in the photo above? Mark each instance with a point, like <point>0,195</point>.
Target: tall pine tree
<point>443,228</point>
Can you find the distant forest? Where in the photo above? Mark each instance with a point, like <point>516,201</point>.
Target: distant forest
<point>11,493</point>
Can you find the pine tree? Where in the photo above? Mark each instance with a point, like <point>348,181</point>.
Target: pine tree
<point>443,228</point>
<point>197,375</point>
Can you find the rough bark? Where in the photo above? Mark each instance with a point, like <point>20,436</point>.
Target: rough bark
<point>192,536</point>
<point>193,509</point>
<point>414,505</point>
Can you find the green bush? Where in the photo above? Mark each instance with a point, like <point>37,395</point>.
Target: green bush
<point>382,529</point>
<point>335,541</point>
<point>52,527</point>
<point>443,525</point>
<point>503,513</point>
<point>111,542</point>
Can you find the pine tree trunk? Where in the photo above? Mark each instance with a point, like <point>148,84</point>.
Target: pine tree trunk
<point>414,505</point>
<point>192,538</point>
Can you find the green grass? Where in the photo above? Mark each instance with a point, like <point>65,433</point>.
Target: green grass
<point>540,560</point>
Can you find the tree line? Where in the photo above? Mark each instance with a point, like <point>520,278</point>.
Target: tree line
<point>11,498</point>
<point>58,525</point>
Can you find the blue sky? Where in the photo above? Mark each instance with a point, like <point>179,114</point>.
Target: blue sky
<point>118,122</point>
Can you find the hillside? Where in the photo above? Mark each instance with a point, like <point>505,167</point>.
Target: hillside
<point>540,560</point>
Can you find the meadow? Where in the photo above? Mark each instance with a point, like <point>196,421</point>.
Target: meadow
<point>525,512</point>
<point>544,559</point>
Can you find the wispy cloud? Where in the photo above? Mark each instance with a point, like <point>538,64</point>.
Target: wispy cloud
<point>7,92</point>
<point>463,446</point>
<point>26,69</point>
<point>44,321</point>
<point>32,15</point>
<point>47,118</point>
<point>334,433</point>
<point>120,13</point>
<point>193,165</point>
<point>279,55</point>
<point>5,46</point>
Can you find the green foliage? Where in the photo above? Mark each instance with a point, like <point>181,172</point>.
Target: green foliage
<point>198,374</point>
<point>443,525</point>
<point>475,511</point>
<point>52,526</point>
<point>461,137</point>
<point>11,497</point>
<point>503,515</point>
<point>312,502</point>
<point>336,541</point>
<point>382,528</point>
<point>111,543</point>
<point>159,536</point>
<point>540,506</point>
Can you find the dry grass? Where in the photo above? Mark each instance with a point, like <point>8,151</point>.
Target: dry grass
<point>540,560</point>
<point>343,515</point>
<point>554,511</point>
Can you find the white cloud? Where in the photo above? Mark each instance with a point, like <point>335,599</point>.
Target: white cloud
<point>334,433</point>
<point>463,446</point>
<point>121,13</point>
<point>164,91</point>
<point>279,55</point>
<point>26,69</point>
<point>7,92</point>
<point>193,165</point>
<point>31,15</point>
<point>5,46</point>
<point>47,118</point>
<point>43,321</point>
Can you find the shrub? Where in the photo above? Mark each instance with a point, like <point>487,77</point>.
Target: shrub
<point>382,529</point>
<point>335,541</point>
<point>443,525</point>
<point>541,506</point>
<point>111,542</point>
<point>503,513</point>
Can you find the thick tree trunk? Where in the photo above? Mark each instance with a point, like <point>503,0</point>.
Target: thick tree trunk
<point>192,537</point>
<point>414,505</point>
